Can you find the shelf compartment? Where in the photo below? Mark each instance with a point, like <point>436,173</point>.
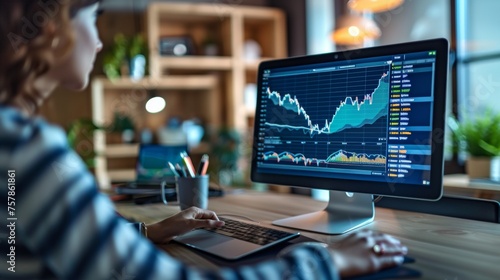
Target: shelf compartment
<point>121,150</point>
<point>194,82</point>
<point>195,62</point>
<point>121,175</point>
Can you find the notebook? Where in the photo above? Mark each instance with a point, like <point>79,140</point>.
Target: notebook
<point>152,168</point>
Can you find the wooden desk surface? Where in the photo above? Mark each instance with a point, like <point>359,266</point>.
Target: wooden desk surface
<point>444,248</point>
<point>463,182</point>
<point>460,184</point>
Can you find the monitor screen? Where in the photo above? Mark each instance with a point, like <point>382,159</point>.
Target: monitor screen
<point>368,120</point>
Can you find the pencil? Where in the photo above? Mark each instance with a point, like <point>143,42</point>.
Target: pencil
<point>202,168</point>
<point>188,163</point>
<point>172,168</point>
<point>180,170</point>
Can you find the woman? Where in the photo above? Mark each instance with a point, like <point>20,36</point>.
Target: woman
<point>62,226</point>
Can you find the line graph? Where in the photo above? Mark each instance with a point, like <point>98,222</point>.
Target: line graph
<point>352,112</point>
<point>327,119</point>
<point>338,157</point>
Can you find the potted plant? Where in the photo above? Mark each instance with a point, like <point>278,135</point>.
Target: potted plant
<point>480,138</point>
<point>137,51</point>
<point>127,57</point>
<point>81,139</point>
<point>115,58</point>
<point>225,155</point>
<point>122,129</point>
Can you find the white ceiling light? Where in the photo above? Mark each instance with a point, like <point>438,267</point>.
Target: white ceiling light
<point>155,105</point>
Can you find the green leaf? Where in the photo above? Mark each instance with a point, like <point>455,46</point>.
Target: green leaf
<point>79,131</point>
<point>479,136</point>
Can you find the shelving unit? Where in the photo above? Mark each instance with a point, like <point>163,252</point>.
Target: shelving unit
<point>229,26</point>
<point>210,87</point>
<point>130,96</point>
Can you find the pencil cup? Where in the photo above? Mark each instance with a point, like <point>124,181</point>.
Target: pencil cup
<point>192,191</point>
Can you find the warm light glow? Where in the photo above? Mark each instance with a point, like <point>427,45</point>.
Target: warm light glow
<point>353,30</point>
<point>155,104</point>
<point>374,6</point>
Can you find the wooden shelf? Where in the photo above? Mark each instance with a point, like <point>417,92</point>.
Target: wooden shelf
<point>195,62</point>
<point>193,82</point>
<point>120,175</point>
<point>121,150</point>
<point>189,12</point>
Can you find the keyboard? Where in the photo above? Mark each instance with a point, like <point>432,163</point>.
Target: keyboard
<point>252,233</point>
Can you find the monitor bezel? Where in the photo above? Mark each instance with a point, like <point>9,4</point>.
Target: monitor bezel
<point>428,192</point>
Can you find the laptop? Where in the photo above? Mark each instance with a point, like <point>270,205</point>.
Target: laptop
<point>152,168</point>
<point>235,240</point>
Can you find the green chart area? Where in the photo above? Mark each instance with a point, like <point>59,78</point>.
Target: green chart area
<point>350,113</point>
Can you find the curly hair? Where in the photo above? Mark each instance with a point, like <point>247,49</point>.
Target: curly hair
<point>32,32</point>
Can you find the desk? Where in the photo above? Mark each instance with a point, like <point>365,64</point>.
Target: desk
<point>461,184</point>
<point>445,248</point>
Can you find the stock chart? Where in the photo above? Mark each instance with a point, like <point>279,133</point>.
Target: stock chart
<point>327,119</point>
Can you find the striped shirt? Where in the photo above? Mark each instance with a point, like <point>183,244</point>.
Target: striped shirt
<point>60,227</point>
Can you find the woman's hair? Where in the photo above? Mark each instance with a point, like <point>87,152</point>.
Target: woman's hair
<point>32,33</point>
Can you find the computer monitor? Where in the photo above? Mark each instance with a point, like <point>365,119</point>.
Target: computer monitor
<point>358,123</point>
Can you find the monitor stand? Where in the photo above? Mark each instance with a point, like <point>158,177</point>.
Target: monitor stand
<point>344,212</point>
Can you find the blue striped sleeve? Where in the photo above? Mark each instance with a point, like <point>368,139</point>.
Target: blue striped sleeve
<point>73,230</point>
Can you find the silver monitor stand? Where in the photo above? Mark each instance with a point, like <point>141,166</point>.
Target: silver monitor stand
<point>344,212</point>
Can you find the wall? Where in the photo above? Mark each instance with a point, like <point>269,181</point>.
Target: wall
<point>415,20</point>
<point>295,12</point>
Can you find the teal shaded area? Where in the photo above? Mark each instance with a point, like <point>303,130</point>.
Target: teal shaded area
<point>352,113</point>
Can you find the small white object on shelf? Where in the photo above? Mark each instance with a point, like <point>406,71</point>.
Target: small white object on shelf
<point>251,50</point>
<point>250,97</point>
<point>172,133</point>
<point>194,132</point>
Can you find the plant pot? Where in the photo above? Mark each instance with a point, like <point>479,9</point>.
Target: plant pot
<point>478,167</point>
<point>137,67</point>
<point>114,138</point>
<point>128,136</point>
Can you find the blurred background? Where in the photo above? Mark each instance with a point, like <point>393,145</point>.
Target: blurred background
<point>184,72</point>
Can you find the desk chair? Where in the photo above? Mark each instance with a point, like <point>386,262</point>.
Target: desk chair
<point>452,206</point>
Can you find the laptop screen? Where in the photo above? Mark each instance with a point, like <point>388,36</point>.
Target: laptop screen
<point>152,162</point>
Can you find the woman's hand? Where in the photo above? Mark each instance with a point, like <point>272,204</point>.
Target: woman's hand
<point>182,222</point>
<point>366,252</point>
